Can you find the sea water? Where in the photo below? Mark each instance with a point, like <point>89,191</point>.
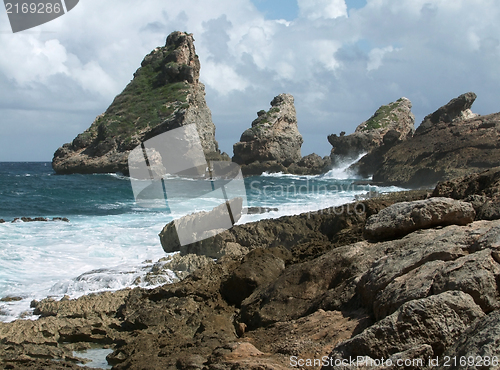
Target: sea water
<point>109,241</point>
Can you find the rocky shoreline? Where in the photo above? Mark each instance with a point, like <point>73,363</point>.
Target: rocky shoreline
<point>411,275</point>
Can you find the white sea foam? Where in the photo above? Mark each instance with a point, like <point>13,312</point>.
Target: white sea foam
<point>342,171</point>
<point>98,253</point>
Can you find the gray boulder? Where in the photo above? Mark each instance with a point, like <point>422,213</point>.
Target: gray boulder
<point>186,234</point>
<point>436,321</point>
<point>403,218</point>
<point>431,261</point>
<point>479,342</point>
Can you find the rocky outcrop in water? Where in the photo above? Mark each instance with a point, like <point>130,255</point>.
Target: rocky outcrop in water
<point>274,135</point>
<point>273,143</point>
<point>451,142</point>
<point>165,93</point>
<point>390,124</point>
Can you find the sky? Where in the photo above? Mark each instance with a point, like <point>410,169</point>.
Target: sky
<point>341,60</point>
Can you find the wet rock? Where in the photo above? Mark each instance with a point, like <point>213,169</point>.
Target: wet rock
<point>260,210</point>
<point>178,235</point>
<point>403,218</point>
<point>181,266</point>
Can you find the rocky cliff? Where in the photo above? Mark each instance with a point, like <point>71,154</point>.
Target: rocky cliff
<point>273,143</point>
<point>390,123</point>
<point>450,142</point>
<point>406,276</point>
<point>165,93</point>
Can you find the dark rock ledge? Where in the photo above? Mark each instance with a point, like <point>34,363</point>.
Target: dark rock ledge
<point>305,286</point>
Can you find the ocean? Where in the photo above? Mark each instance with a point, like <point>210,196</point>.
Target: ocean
<point>110,241</point>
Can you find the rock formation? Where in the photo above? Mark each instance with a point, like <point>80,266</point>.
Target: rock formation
<point>389,124</point>
<point>274,135</point>
<point>451,142</point>
<point>165,93</point>
<point>309,287</point>
<point>273,143</point>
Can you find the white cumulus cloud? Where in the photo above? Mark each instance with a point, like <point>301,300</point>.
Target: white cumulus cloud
<point>328,9</point>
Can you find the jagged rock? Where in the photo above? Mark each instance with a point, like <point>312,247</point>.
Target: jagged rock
<point>309,233</point>
<point>260,210</point>
<point>273,137</point>
<point>482,190</point>
<point>436,321</point>
<point>450,144</point>
<point>395,118</point>
<point>457,109</point>
<point>403,218</point>
<point>479,342</point>
<point>332,286</point>
<point>311,164</point>
<point>165,93</point>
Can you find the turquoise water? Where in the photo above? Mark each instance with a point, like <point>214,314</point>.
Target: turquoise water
<point>110,241</point>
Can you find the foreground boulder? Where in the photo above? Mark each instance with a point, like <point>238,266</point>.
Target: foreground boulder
<point>165,93</point>
<point>432,261</point>
<point>436,321</point>
<point>451,142</point>
<point>480,342</point>
<point>390,124</point>
<point>405,217</point>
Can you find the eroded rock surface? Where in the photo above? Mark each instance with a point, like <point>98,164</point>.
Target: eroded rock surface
<point>403,218</point>
<point>274,135</point>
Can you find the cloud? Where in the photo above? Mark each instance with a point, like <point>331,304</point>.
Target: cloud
<point>341,64</point>
<point>328,9</point>
<point>376,55</point>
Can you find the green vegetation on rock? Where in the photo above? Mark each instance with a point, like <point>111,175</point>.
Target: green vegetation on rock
<point>382,117</point>
<point>145,102</point>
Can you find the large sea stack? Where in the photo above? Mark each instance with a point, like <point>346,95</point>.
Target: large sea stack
<point>273,143</point>
<point>164,94</point>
